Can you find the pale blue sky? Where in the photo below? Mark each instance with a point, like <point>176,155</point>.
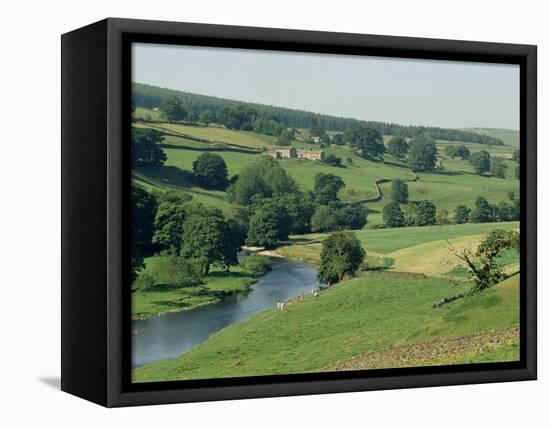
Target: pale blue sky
<point>403,91</point>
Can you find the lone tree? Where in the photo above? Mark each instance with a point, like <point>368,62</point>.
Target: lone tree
<point>398,147</point>
<point>422,154</point>
<point>425,214</point>
<point>393,215</point>
<point>326,187</point>
<point>498,167</point>
<point>369,142</point>
<point>208,240</point>
<point>341,255</point>
<point>460,151</point>
<point>399,191</point>
<point>211,170</point>
<point>482,212</point>
<point>173,109</point>
<point>481,162</point>
<point>483,266</point>
<point>145,149</point>
<point>462,214</point>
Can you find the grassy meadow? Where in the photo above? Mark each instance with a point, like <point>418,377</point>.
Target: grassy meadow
<point>364,314</point>
<point>369,321</point>
<point>457,184</point>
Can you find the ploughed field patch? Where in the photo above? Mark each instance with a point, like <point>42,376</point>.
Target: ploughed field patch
<point>460,350</point>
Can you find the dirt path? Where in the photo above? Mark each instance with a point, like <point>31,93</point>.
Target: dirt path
<point>425,353</point>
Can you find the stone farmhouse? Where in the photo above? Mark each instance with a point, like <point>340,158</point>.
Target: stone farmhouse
<point>281,152</point>
<point>314,155</point>
<point>285,152</point>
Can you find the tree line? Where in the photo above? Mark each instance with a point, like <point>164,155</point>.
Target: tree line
<point>152,97</point>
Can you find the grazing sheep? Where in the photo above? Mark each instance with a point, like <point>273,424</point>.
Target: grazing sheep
<point>315,294</point>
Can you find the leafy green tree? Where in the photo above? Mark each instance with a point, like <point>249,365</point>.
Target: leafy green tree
<point>338,139</point>
<point>482,212</point>
<point>462,214</point>
<point>207,239</point>
<point>284,138</point>
<point>173,109</point>
<point>505,212</point>
<point>498,167</point>
<point>398,147</point>
<point>400,191</point>
<point>263,177</point>
<point>425,213</point>
<point>483,265</point>
<point>516,172</point>
<point>393,215</point>
<point>269,225</point>
<point>143,210</point>
<point>145,150</point>
<point>300,208</point>
<point>169,220</point>
<point>369,142</point>
<point>422,154</point>
<point>515,155</point>
<point>442,217</point>
<point>324,219</point>
<point>352,217</point>
<point>460,151</point>
<point>180,272</point>
<point>481,162</point>
<point>207,116</point>
<point>211,170</point>
<point>341,256</point>
<point>326,187</point>
<point>257,263</point>
<point>332,160</point>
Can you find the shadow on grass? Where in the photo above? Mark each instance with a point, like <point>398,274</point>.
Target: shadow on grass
<point>170,287</point>
<point>214,148</point>
<point>170,175</point>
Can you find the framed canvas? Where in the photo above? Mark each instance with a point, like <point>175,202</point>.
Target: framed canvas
<point>255,212</point>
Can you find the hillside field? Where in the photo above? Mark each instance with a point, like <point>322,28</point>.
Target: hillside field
<point>457,184</point>
<point>318,333</point>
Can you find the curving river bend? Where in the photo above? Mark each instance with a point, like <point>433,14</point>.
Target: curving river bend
<point>169,335</point>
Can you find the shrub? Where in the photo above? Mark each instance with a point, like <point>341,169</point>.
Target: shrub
<point>257,263</point>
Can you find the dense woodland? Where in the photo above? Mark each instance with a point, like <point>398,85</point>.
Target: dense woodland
<point>272,120</point>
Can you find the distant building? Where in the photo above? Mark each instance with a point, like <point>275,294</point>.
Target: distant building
<point>156,109</point>
<point>314,155</point>
<point>281,152</point>
<point>316,139</point>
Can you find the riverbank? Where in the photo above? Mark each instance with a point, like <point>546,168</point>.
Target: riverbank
<point>162,298</point>
<point>354,317</point>
<point>167,336</point>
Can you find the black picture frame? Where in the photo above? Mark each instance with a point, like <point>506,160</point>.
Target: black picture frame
<point>95,211</point>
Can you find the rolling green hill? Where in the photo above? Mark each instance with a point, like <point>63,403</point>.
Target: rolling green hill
<point>457,184</point>
<point>508,136</point>
<point>368,314</point>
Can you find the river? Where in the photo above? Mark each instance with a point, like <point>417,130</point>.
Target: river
<point>167,336</point>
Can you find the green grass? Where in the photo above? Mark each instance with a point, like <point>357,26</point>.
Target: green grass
<point>508,136</point>
<point>456,185</point>
<point>215,134</point>
<point>163,298</point>
<point>391,239</point>
<point>367,313</point>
